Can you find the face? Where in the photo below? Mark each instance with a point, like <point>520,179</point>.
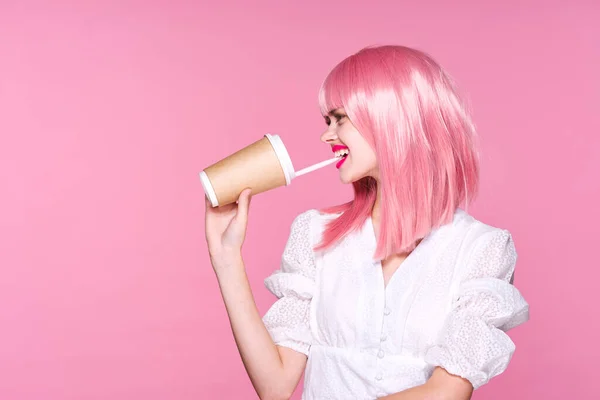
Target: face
<point>343,136</point>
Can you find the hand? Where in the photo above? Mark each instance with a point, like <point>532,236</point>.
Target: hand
<point>226,229</point>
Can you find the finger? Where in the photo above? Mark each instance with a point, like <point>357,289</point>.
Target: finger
<point>244,205</point>
<point>209,209</point>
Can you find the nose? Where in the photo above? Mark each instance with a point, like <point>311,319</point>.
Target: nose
<point>328,136</point>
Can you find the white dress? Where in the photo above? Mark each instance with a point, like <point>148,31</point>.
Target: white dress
<point>449,304</point>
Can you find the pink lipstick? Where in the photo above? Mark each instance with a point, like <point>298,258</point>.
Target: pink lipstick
<point>338,148</point>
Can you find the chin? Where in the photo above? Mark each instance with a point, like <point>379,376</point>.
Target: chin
<point>349,175</point>
<point>344,178</point>
<point>349,178</point>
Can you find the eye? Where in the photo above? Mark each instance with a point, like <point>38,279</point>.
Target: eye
<point>339,118</point>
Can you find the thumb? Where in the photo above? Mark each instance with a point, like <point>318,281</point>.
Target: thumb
<point>244,205</point>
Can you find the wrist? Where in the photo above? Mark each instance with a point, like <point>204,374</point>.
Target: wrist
<point>231,276</point>
<point>226,261</point>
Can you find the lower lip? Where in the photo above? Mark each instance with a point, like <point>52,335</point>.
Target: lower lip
<point>339,164</point>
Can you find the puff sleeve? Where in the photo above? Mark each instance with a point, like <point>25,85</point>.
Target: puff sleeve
<point>293,284</point>
<point>473,343</point>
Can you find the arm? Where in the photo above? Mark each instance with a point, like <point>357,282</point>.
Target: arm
<point>473,346</point>
<point>274,371</point>
<point>441,386</point>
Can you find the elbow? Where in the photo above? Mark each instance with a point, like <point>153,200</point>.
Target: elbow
<point>444,386</point>
<point>275,394</point>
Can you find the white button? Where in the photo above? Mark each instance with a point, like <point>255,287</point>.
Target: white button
<point>383,337</point>
<point>386,311</point>
<point>379,376</point>
<point>380,354</point>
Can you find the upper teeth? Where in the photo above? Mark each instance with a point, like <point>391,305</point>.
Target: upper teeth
<point>341,153</point>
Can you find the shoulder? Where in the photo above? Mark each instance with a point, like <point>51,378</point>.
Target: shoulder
<point>304,218</point>
<point>310,222</point>
<point>476,232</point>
<point>305,233</point>
<point>489,249</point>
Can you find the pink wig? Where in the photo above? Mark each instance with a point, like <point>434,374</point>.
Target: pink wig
<point>408,110</point>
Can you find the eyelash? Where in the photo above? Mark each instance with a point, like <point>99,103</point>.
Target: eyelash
<point>338,118</point>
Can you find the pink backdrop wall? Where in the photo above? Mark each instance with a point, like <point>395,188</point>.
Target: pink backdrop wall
<point>108,110</point>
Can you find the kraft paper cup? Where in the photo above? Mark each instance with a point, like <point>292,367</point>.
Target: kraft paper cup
<point>261,166</point>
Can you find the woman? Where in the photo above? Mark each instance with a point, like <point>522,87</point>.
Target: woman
<point>398,294</point>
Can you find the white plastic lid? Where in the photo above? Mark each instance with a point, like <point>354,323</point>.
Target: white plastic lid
<point>283,156</point>
<point>208,189</point>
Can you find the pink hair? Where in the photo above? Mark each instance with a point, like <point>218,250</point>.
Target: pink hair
<point>407,108</point>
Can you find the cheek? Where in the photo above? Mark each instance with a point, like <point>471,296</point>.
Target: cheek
<point>363,159</point>
<point>363,164</point>
<point>374,163</point>
<point>371,157</point>
<point>357,167</point>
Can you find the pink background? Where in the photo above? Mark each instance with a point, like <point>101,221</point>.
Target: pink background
<point>108,111</point>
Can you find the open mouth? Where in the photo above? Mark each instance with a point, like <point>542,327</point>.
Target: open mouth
<point>341,152</point>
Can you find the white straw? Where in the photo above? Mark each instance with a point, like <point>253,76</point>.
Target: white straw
<point>317,166</point>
